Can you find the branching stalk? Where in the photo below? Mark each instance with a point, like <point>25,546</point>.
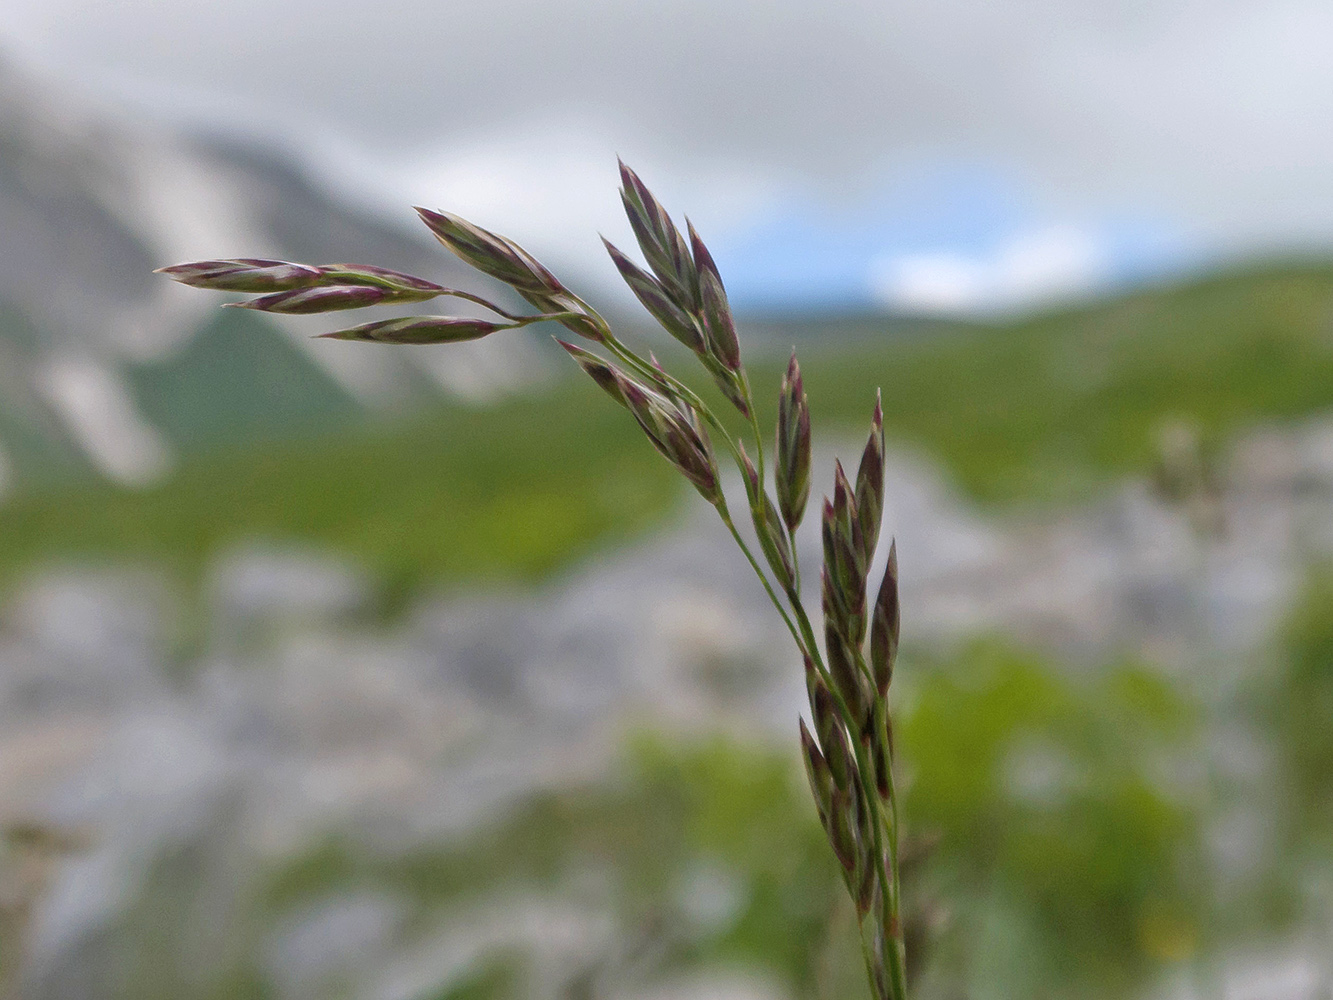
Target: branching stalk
<point>849,760</point>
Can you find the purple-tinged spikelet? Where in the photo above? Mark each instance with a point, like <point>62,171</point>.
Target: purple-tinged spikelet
<point>676,433</point>
<point>244,274</point>
<point>490,253</point>
<point>870,485</point>
<point>884,626</point>
<point>768,526</point>
<point>303,301</point>
<point>379,277</point>
<point>817,770</point>
<point>602,372</point>
<point>663,246</point>
<point>719,325</point>
<point>419,330</point>
<point>841,829</point>
<point>793,447</point>
<point>655,298</point>
<point>845,673</point>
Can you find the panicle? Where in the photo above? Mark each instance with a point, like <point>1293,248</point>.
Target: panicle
<point>848,749</point>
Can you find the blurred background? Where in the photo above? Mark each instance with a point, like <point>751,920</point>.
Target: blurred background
<point>340,672</point>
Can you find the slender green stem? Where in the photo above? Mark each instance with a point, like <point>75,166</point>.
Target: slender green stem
<point>522,321</point>
<point>893,889</point>
<point>795,560</point>
<point>455,293</point>
<point>754,423</point>
<point>866,955</point>
<point>725,514</point>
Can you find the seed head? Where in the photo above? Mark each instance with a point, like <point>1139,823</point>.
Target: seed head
<point>719,325</point>
<point>490,253</point>
<point>602,372</point>
<point>655,298</point>
<point>793,447</point>
<point>419,330</point>
<point>302,301</point>
<point>817,770</point>
<point>664,248</point>
<point>380,277</point>
<point>244,274</point>
<point>884,626</point>
<point>870,485</point>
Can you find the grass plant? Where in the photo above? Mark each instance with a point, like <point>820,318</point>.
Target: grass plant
<point>849,755</point>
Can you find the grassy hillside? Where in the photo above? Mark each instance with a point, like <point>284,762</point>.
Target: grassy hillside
<point>508,492</point>
<point>1053,408</point>
<point>239,379</point>
<point>1044,410</point>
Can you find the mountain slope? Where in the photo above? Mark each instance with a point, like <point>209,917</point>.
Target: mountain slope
<point>90,203</point>
<point>238,379</point>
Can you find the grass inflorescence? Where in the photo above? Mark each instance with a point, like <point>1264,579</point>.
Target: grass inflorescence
<point>849,754</point>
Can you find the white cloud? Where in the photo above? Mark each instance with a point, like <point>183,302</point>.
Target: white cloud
<point>1035,268</point>
<point>1214,114</point>
<point>552,185</point>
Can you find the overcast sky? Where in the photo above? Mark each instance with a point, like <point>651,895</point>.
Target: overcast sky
<point>946,153</point>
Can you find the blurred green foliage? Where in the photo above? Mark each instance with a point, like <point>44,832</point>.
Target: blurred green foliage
<point>507,492</point>
<point>1067,854</point>
<point>1055,407</point>
<point>1301,710</point>
<point>1064,860</point>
